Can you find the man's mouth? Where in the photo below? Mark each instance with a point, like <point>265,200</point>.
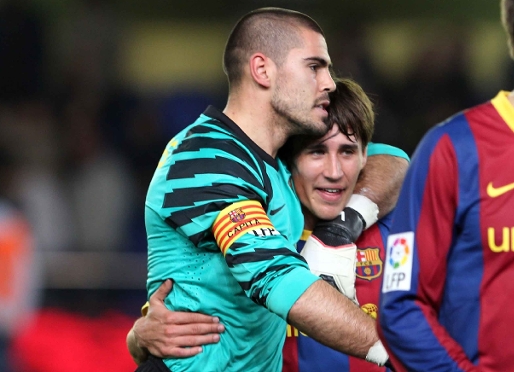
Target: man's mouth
<point>323,104</point>
<point>332,191</point>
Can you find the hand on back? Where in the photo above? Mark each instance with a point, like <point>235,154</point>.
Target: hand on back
<point>165,333</point>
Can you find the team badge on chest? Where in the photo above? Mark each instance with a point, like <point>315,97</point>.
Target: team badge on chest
<point>369,264</point>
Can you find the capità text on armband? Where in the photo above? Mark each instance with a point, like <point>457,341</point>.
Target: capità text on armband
<point>505,244</point>
<point>242,226</point>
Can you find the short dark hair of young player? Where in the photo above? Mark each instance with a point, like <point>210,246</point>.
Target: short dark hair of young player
<point>272,31</point>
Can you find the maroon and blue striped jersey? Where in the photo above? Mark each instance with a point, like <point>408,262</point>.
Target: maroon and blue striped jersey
<point>304,354</point>
<point>449,267</point>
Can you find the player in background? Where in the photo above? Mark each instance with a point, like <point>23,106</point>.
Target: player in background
<point>449,273</point>
<point>325,172</point>
<point>19,266</point>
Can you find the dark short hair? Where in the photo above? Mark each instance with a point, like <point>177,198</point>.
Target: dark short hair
<point>350,109</point>
<point>507,17</point>
<point>272,31</point>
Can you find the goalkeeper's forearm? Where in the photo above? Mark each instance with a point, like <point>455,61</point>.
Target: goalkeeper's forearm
<point>332,319</point>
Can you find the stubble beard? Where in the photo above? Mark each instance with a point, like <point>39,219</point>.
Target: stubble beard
<point>296,115</point>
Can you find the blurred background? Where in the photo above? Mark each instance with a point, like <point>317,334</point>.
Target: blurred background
<point>92,90</point>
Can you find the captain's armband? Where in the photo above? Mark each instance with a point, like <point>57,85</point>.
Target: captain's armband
<point>239,218</point>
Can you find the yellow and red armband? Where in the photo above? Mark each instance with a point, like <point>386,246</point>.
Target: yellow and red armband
<point>237,219</point>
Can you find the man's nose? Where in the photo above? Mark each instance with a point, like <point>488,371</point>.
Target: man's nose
<point>333,169</point>
<point>328,83</point>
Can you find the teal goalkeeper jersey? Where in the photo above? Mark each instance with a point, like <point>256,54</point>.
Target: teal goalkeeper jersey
<point>222,222</point>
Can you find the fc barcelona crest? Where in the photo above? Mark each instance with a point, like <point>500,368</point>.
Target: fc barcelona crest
<point>236,215</point>
<point>369,264</point>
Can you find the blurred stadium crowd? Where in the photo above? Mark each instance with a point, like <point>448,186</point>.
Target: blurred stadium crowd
<point>78,147</point>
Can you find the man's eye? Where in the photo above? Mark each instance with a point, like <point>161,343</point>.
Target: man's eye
<point>317,152</point>
<point>314,67</point>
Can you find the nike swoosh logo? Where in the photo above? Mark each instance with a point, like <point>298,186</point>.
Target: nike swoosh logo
<point>493,192</point>
<point>275,211</point>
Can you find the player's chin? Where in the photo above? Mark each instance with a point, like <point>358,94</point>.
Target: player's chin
<point>319,126</point>
<point>328,212</point>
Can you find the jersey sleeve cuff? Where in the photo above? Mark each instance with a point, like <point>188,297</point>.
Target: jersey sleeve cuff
<point>383,149</point>
<point>291,287</point>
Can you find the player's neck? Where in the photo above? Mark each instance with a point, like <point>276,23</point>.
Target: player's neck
<point>256,120</point>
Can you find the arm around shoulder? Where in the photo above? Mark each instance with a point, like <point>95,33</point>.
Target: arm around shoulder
<point>381,180</point>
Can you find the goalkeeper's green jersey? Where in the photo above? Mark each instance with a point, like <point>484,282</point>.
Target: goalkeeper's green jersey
<point>222,222</point>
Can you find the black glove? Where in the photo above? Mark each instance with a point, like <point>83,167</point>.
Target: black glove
<point>344,229</point>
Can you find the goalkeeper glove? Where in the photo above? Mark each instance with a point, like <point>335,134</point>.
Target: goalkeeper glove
<point>331,253</point>
<point>330,250</point>
<point>367,210</point>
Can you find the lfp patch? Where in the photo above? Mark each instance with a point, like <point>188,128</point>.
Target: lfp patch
<point>398,265</point>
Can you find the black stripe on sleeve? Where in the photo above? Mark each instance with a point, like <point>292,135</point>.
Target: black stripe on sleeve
<point>189,197</point>
<point>258,297</point>
<point>187,170</point>
<point>217,145</point>
<point>260,254</point>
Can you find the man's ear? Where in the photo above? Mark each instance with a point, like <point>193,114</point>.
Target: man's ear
<point>261,69</point>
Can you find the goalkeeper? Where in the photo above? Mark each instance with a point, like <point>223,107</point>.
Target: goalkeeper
<point>325,173</point>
